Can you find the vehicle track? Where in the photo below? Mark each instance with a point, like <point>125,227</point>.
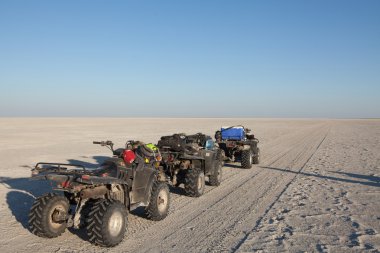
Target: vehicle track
<point>258,222</point>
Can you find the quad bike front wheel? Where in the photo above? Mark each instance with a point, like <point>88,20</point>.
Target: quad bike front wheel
<point>48,215</point>
<point>216,176</point>
<point>195,183</point>
<point>220,155</point>
<point>256,159</point>
<point>106,222</point>
<point>158,207</point>
<point>246,159</point>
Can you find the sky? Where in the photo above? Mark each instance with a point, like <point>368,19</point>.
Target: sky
<point>207,58</point>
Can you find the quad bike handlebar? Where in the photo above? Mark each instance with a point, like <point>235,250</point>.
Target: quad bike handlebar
<point>108,144</point>
<point>103,143</point>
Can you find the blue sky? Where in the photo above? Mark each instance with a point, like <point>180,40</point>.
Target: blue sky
<point>190,58</point>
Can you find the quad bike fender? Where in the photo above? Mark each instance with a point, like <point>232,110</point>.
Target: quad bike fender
<point>246,147</point>
<point>148,191</point>
<point>209,161</point>
<point>142,184</point>
<point>253,146</point>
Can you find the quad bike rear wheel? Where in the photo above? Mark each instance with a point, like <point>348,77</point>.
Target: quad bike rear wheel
<point>48,215</point>
<point>246,159</point>
<point>216,176</point>
<point>158,207</point>
<point>106,223</point>
<point>195,183</point>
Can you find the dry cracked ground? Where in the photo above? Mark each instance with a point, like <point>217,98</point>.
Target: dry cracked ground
<point>317,188</point>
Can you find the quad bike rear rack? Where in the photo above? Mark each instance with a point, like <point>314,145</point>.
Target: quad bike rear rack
<point>58,167</point>
<point>56,170</point>
<point>59,172</point>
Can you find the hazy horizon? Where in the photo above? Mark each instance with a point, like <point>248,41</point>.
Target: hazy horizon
<point>168,117</point>
<point>197,59</point>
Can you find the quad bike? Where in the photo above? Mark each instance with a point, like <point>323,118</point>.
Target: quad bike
<point>238,145</point>
<point>188,159</point>
<point>99,199</point>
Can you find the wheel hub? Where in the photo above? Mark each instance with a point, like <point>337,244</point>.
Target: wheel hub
<point>115,223</point>
<point>200,182</point>
<point>58,216</point>
<point>219,173</point>
<point>162,201</point>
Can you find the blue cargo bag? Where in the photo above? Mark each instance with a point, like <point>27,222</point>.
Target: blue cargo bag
<point>233,133</point>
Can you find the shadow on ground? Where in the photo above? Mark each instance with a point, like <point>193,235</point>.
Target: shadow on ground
<point>177,190</point>
<point>99,160</point>
<point>140,212</point>
<point>233,165</point>
<point>371,180</point>
<point>22,194</point>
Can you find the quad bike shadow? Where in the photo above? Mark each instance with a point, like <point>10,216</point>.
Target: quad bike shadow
<point>98,160</point>
<point>177,190</point>
<point>21,196</point>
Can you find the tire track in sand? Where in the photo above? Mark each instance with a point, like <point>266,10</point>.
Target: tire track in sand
<point>259,220</point>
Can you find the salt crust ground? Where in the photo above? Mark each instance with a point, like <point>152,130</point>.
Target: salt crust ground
<point>317,188</point>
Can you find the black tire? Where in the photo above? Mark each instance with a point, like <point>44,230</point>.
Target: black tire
<point>256,158</point>
<point>85,212</point>
<point>195,183</point>
<point>107,222</point>
<point>48,215</point>
<point>159,201</point>
<point>218,136</point>
<point>220,155</point>
<point>246,159</point>
<point>216,176</point>
<point>250,137</point>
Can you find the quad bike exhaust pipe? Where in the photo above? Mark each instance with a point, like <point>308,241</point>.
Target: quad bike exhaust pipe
<point>93,192</point>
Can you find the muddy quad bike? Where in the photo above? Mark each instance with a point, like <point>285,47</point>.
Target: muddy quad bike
<point>188,159</point>
<point>99,199</point>
<point>238,145</point>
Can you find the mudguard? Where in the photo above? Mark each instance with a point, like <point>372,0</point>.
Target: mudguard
<point>149,187</point>
<point>144,175</point>
<point>247,147</point>
<point>209,160</point>
<point>115,167</point>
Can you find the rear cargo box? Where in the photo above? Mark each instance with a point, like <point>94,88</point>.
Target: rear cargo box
<point>232,133</point>
<point>175,142</point>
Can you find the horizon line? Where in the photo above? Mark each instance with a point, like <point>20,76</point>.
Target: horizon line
<point>190,117</point>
